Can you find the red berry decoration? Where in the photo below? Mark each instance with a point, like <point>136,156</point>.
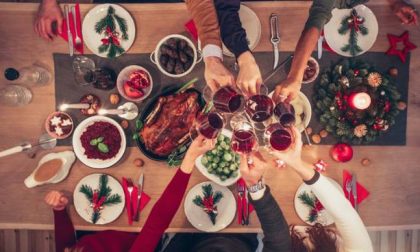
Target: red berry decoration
<point>342,152</point>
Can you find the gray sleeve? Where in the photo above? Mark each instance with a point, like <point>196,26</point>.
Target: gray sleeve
<point>274,225</point>
<point>320,13</point>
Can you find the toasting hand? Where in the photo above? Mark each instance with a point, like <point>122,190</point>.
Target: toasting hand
<point>56,200</point>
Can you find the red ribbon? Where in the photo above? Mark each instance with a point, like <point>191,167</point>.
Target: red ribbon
<point>355,23</point>
<point>96,204</point>
<point>112,37</point>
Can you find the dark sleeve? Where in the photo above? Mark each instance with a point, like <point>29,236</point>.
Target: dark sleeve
<point>320,13</point>
<point>231,31</point>
<point>274,225</point>
<point>65,236</point>
<point>162,213</point>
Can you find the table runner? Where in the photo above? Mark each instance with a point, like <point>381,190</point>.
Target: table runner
<point>67,91</point>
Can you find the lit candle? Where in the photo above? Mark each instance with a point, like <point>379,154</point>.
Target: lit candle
<point>63,107</point>
<point>360,100</point>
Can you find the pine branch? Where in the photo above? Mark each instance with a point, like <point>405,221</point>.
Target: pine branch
<point>307,199</point>
<point>111,10</point>
<point>113,199</point>
<point>198,201</point>
<point>104,189</point>
<point>87,191</point>
<point>103,48</point>
<point>207,190</point>
<point>112,51</point>
<point>313,216</point>
<point>123,26</point>
<point>217,197</point>
<point>344,27</point>
<point>95,216</point>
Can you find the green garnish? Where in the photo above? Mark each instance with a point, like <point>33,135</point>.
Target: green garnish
<point>103,148</point>
<point>98,142</point>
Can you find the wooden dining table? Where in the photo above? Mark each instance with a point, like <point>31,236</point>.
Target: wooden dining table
<point>392,178</point>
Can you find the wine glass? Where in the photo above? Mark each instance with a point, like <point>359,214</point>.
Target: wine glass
<point>208,125</point>
<point>84,70</point>
<point>285,113</point>
<point>260,108</point>
<point>228,99</point>
<point>244,139</point>
<point>278,138</point>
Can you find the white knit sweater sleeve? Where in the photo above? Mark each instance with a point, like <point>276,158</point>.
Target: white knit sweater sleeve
<point>348,222</point>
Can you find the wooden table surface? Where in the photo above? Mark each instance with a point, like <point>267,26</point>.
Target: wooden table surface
<point>392,178</point>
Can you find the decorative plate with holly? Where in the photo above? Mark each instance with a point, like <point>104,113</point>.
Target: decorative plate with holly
<point>108,30</point>
<point>308,207</point>
<point>345,31</point>
<point>99,198</point>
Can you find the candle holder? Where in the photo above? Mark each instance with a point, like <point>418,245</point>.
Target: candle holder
<point>359,100</point>
<point>128,111</point>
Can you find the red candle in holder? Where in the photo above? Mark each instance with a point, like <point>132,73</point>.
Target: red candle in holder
<point>359,100</point>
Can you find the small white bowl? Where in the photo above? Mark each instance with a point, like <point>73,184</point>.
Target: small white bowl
<point>316,71</point>
<point>155,55</point>
<point>124,75</point>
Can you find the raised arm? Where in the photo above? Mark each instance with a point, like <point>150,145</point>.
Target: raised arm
<point>63,227</point>
<point>167,205</point>
<point>205,18</point>
<point>349,225</point>
<point>274,225</point>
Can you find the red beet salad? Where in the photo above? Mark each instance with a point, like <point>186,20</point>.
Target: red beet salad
<point>101,140</point>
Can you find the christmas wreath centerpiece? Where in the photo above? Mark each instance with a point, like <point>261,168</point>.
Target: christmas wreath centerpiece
<point>335,108</point>
<point>312,202</point>
<point>209,201</point>
<point>100,197</point>
<point>107,26</point>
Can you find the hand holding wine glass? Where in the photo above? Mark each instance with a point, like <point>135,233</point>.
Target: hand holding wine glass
<point>252,173</point>
<point>56,200</point>
<point>216,74</point>
<point>293,155</point>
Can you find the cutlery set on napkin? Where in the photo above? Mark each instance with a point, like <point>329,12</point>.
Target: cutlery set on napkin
<point>72,28</point>
<point>135,198</point>
<point>244,208</point>
<point>353,191</point>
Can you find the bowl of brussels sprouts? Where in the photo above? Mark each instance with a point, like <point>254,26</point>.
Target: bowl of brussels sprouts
<point>221,164</point>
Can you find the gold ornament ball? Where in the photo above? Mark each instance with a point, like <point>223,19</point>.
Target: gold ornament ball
<point>401,105</point>
<point>393,72</point>
<point>316,138</point>
<point>114,99</point>
<point>366,162</point>
<point>323,133</point>
<point>374,79</point>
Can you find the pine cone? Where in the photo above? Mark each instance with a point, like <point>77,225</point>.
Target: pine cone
<point>360,130</point>
<point>374,79</point>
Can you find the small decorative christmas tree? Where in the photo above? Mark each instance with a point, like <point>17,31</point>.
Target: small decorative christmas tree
<point>101,197</point>
<point>209,201</point>
<point>107,26</point>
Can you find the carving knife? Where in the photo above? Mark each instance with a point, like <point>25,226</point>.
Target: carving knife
<point>354,190</point>
<point>275,37</point>
<point>139,192</point>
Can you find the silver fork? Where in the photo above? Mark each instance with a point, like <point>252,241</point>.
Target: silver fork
<point>348,188</point>
<point>241,192</point>
<point>77,40</point>
<point>130,189</point>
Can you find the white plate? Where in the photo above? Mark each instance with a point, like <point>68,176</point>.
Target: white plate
<point>336,41</point>
<point>228,182</point>
<point>252,25</point>
<point>82,205</point>
<point>124,75</point>
<point>80,151</point>
<point>93,40</point>
<point>303,211</point>
<point>305,105</point>
<point>199,219</point>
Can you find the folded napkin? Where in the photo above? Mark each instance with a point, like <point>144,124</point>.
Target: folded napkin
<point>72,28</point>
<point>240,204</point>
<point>131,203</point>
<point>325,45</point>
<point>362,193</point>
<point>192,29</point>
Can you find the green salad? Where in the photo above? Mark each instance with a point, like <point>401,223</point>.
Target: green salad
<point>221,161</point>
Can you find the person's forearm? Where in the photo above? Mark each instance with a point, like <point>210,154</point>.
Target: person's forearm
<point>162,213</point>
<point>64,231</point>
<point>49,2</point>
<point>232,33</point>
<point>273,223</point>
<point>304,170</point>
<point>205,18</point>
<point>302,53</point>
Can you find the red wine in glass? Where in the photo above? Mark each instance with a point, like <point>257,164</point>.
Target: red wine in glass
<point>278,137</point>
<point>243,141</point>
<point>259,108</point>
<point>285,112</point>
<point>228,100</point>
<point>211,125</point>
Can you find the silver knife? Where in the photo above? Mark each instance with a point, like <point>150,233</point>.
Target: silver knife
<point>271,74</point>
<point>354,190</point>
<point>69,35</point>
<point>275,37</point>
<point>320,41</point>
<point>139,192</point>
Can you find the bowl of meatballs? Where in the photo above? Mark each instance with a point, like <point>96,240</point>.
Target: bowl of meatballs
<point>175,55</point>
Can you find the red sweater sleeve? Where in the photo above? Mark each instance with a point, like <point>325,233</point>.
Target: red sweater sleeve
<point>162,213</point>
<point>64,231</point>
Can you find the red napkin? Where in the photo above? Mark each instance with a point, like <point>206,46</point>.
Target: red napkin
<point>240,204</point>
<point>131,203</point>
<point>362,193</point>
<point>192,29</point>
<point>325,44</point>
<point>72,29</point>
